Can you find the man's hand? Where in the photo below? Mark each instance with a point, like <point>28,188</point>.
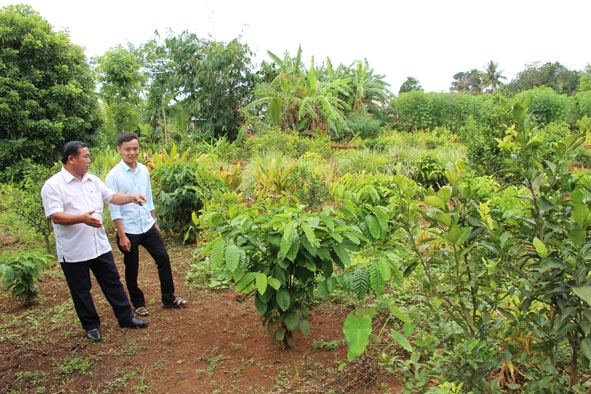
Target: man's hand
<point>124,242</point>
<point>90,220</point>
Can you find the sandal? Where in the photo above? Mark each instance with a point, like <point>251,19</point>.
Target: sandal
<point>142,311</point>
<point>177,303</point>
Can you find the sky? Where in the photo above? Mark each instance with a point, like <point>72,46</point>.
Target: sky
<point>429,40</point>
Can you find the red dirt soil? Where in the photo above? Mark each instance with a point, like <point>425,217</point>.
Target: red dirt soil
<point>215,345</point>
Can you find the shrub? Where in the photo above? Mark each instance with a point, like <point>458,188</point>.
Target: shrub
<point>21,271</point>
<point>290,144</point>
<point>363,125</point>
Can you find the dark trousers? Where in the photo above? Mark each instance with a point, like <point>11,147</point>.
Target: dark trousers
<point>107,276</point>
<point>152,241</point>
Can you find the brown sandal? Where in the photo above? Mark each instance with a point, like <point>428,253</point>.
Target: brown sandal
<point>142,311</point>
<point>177,303</point>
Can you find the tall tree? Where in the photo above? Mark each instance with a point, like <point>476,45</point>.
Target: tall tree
<point>467,82</point>
<point>121,84</point>
<point>46,91</point>
<point>491,78</point>
<point>211,81</point>
<point>585,82</point>
<point>409,85</point>
<point>552,75</point>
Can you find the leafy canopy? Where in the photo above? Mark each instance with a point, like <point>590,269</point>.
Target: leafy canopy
<point>46,90</point>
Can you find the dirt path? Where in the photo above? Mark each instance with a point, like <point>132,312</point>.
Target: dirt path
<point>216,345</point>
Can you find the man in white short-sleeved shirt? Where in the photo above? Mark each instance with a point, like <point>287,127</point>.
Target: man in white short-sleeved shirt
<point>74,201</point>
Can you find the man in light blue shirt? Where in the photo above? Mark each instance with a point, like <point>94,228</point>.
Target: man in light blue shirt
<point>136,225</point>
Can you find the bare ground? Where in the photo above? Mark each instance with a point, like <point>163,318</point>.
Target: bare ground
<point>216,345</point>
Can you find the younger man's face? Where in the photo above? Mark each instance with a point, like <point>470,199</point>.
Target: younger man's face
<point>129,151</point>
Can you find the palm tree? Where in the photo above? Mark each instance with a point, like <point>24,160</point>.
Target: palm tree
<point>491,78</point>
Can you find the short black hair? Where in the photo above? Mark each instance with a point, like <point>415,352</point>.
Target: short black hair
<point>126,137</point>
<point>71,149</point>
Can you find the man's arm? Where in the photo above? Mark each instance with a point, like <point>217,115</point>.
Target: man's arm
<point>69,219</point>
<point>121,199</point>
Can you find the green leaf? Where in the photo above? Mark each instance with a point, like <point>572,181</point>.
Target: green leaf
<point>443,218</point>
<point>402,341</point>
<point>435,201</point>
<point>274,283</point>
<point>310,235</point>
<point>217,253</point>
<point>540,248</point>
<point>400,314</point>
<point>374,226</point>
<point>360,282</point>
<point>292,321</point>
<point>357,332</point>
<point>322,288</point>
<point>584,293</point>
<point>283,299</point>
<point>305,327</point>
<point>287,240</point>
<point>580,214</point>
<point>246,283</point>
<point>342,255</point>
<point>295,247</point>
<point>232,257</point>
<point>586,348</point>
<point>260,305</point>
<point>445,193</point>
<point>261,282</point>
<point>458,235</point>
<point>577,236</point>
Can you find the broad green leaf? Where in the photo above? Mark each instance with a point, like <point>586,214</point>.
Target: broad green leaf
<point>260,305</point>
<point>443,218</point>
<point>577,236</point>
<point>292,321</point>
<point>374,226</point>
<point>283,299</point>
<point>400,314</point>
<point>287,240</point>
<point>217,253</point>
<point>586,348</point>
<point>435,201</point>
<point>343,256</point>
<point>540,248</point>
<point>402,341</point>
<point>274,283</point>
<point>322,288</point>
<point>261,282</point>
<point>584,293</point>
<point>458,235</point>
<point>357,332</point>
<point>310,266</point>
<point>445,193</point>
<point>580,214</point>
<point>232,257</point>
<point>310,235</point>
<point>305,327</point>
<point>295,247</point>
<point>246,283</point>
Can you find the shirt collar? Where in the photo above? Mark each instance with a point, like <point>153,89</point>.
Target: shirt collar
<point>128,168</point>
<point>68,177</point>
